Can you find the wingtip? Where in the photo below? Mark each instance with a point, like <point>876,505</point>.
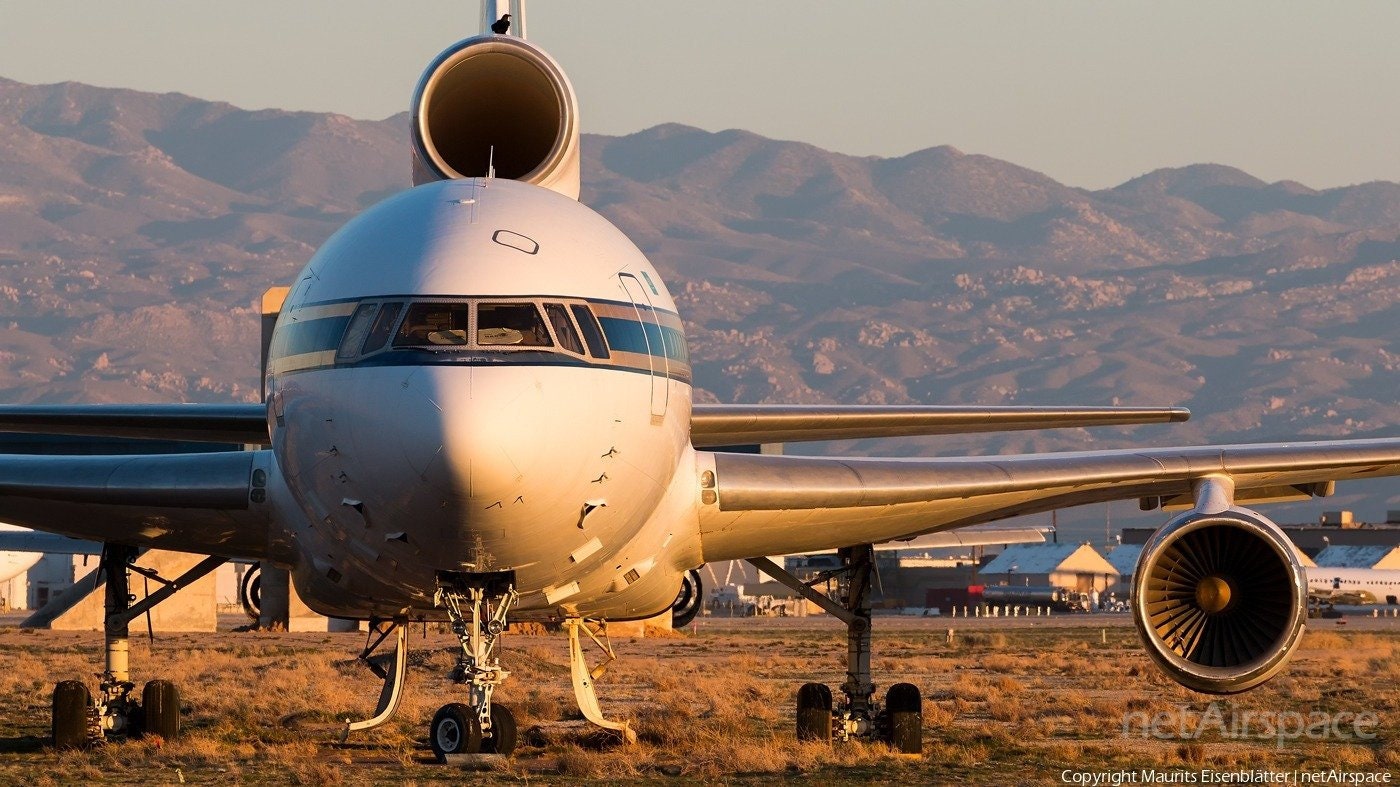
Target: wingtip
<point>1179,414</point>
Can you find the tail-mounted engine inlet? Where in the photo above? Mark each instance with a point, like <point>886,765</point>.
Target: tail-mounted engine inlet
<point>496,105</point>
<point>1220,599</point>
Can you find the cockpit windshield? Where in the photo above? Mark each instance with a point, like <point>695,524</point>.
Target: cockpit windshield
<point>478,330</point>
<point>515,324</point>
<point>434,325</point>
<point>481,325</point>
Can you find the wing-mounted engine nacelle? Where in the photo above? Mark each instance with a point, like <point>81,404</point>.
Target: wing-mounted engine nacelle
<point>497,103</point>
<point>1220,599</point>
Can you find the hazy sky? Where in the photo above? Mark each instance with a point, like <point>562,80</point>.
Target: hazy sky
<point>1091,93</point>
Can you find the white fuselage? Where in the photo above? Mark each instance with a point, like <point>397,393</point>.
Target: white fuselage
<point>482,449</point>
<point>1370,585</point>
<point>12,564</point>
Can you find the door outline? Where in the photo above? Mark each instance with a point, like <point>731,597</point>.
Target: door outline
<point>660,378</point>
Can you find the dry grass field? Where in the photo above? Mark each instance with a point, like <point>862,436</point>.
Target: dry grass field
<point>1009,702</point>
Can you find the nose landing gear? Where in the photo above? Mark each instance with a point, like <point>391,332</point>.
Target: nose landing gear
<point>900,721</point>
<point>476,606</point>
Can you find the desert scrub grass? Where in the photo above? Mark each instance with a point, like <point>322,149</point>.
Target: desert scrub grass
<point>712,708</point>
<point>982,640</point>
<point>1002,708</point>
<point>1008,685</point>
<point>1388,753</point>
<point>1351,756</point>
<point>965,755</point>
<point>938,713</point>
<point>668,723</point>
<point>575,762</point>
<point>1009,663</point>
<point>539,705</point>
<point>969,687</point>
<point>1324,640</point>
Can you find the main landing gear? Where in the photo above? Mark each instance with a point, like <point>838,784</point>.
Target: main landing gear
<point>900,721</point>
<point>477,607</point>
<point>79,719</point>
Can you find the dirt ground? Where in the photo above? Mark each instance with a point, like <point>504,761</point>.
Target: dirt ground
<point>1009,701</point>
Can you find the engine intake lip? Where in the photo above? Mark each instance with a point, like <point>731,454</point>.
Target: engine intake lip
<point>494,91</point>
<point>1219,600</point>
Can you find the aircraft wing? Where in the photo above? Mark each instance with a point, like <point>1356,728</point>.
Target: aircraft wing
<point>205,423</point>
<point>209,503</point>
<point>975,536</point>
<point>755,505</point>
<point>713,425</point>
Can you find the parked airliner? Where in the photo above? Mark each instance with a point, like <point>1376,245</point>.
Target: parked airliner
<point>480,410</point>
<point>15,562</point>
<point>1355,585</point>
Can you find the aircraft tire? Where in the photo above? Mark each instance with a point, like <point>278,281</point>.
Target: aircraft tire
<point>160,709</point>
<point>688,601</point>
<point>455,730</point>
<point>904,711</point>
<point>250,592</point>
<point>503,732</point>
<point>814,712</point>
<point>71,704</point>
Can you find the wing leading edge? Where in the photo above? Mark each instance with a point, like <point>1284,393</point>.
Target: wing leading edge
<point>205,423</point>
<point>765,505</point>
<point>713,425</point>
<point>213,503</point>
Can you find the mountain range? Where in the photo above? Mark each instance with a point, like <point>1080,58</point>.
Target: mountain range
<point>138,230</point>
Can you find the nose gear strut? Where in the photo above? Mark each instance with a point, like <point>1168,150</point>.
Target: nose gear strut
<point>479,726</point>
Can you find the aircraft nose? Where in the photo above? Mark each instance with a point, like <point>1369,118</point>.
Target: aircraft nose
<point>472,433</point>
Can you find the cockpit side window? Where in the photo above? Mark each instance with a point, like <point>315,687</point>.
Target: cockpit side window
<point>356,332</point>
<point>383,325</point>
<point>435,325</point>
<point>592,333</point>
<point>511,325</point>
<point>563,328</point>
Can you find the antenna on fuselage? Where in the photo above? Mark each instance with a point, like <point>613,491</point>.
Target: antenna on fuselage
<point>491,163</point>
<point>503,17</point>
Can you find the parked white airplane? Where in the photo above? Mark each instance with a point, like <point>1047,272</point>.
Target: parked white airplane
<point>1357,585</point>
<point>480,409</point>
<point>13,563</point>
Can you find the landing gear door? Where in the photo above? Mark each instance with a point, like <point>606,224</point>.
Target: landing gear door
<point>655,344</point>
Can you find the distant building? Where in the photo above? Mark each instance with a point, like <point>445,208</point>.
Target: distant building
<point>1345,556</point>
<point>1076,567</point>
<point>1124,558</point>
<point>53,575</point>
<point>1338,528</point>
